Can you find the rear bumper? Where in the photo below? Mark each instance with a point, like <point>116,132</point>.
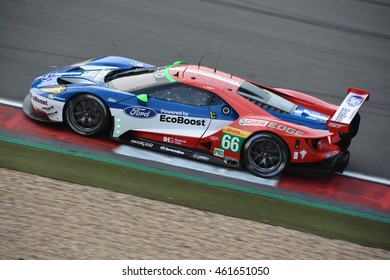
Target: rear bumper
<point>327,167</point>
<point>29,110</point>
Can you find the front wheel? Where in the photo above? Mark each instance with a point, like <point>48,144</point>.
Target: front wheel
<point>87,115</point>
<point>265,155</point>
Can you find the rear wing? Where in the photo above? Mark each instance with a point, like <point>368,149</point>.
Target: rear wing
<point>347,110</point>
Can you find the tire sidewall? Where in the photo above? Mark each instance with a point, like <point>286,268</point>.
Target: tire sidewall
<point>87,132</point>
<point>277,140</point>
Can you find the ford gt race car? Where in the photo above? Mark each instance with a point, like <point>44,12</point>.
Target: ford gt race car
<point>200,113</point>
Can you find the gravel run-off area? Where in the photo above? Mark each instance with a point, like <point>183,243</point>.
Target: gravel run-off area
<point>42,218</point>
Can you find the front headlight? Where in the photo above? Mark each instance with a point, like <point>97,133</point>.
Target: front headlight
<point>54,89</point>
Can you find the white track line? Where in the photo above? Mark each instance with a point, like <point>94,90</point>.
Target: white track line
<point>221,171</point>
<point>12,103</point>
<point>357,175</point>
<point>194,165</point>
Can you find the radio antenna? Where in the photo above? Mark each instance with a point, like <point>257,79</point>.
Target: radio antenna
<point>215,69</point>
<point>200,60</point>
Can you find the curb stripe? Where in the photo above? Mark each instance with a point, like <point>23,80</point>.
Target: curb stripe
<point>193,178</point>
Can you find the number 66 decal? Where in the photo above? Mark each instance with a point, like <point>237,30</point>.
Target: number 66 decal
<point>231,143</point>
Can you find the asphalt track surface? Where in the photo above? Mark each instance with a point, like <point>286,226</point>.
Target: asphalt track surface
<point>318,47</point>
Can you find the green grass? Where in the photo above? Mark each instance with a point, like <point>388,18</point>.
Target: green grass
<point>199,195</point>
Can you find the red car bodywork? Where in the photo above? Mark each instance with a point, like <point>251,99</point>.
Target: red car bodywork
<point>299,138</point>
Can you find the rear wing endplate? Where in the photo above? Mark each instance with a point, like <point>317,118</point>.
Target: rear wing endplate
<point>347,110</point>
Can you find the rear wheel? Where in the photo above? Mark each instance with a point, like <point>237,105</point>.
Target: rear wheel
<point>265,155</point>
<point>87,115</point>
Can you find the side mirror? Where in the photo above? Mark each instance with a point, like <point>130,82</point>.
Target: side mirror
<point>143,97</point>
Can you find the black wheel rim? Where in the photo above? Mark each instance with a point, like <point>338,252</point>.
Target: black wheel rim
<point>265,155</point>
<point>86,115</point>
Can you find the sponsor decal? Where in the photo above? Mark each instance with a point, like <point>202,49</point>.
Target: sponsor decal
<point>343,113</point>
<point>284,128</point>
<point>40,101</point>
<point>336,125</point>
<point>208,87</point>
<point>200,157</point>
<point>140,112</point>
<point>175,151</point>
<point>349,108</point>
<point>231,143</point>
<point>214,138</point>
<point>50,96</point>
<point>237,132</point>
<point>182,120</point>
<point>159,73</point>
<point>355,100</point>
<point>303,153</point>
<point>219,152</point>
<point>253,122</point>
<point>225,110</point>
<point>176,113</point>
<point>49,76</point>
<point>173,140</point>
<point>110,99</point>
<point>141,143</point>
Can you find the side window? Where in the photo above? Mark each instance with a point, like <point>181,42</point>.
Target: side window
<point>183,94</point>
<point>215,100</point>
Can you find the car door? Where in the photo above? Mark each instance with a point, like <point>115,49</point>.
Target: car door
<point>182,114</point>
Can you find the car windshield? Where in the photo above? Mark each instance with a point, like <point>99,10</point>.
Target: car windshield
<point>265,98</point>
<point>139,80</point>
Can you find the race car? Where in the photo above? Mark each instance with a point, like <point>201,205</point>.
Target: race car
<point>198,112</point>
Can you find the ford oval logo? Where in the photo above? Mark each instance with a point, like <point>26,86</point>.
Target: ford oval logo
<point>355,100</point>
<point>140,112</point>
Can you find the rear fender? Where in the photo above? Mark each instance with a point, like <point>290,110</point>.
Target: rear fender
<point>308,101</point>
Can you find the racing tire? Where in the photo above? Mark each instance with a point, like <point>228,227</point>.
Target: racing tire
<point>265,155</point>
<point>87,115</point>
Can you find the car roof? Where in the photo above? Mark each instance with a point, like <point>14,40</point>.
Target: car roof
<point>204,77</point>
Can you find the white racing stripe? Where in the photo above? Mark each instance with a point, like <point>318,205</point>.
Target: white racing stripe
<point>222,171</point>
